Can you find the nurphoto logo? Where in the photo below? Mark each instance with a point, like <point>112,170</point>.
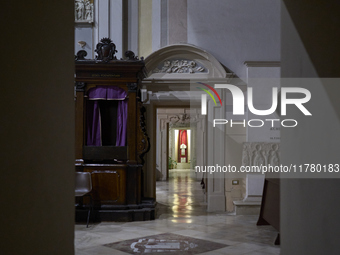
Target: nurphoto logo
<point>238,104</point>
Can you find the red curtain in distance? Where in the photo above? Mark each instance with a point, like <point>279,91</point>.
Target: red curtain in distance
<point>182,139</point>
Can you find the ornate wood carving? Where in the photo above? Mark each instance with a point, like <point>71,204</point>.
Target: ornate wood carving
<point>106,50</point>
<point>143,140</point>
<point>132,87</point>
<point>116,170</point>
<point>131,55</point>
<point>80,86</point>
<point>81,55</point>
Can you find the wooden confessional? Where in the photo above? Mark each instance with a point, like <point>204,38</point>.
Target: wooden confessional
<point>111,139</point>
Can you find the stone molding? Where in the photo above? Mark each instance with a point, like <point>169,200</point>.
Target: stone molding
<point>262,63</point>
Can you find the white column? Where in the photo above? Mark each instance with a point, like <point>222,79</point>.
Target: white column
<point>108,22</point>
<point>133,26</point>
<point>102,22</point>
<point>116,25</point>
<point>159,24</point>
<point>215,151</point>
<point>164,160</point>
<point>177,21</point>
<point>200,145</point>
<point>156,25</point>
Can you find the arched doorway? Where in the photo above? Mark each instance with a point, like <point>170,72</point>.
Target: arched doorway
<point>171,70</point>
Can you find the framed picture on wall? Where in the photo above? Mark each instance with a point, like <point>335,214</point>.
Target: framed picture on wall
<point>83,11</point>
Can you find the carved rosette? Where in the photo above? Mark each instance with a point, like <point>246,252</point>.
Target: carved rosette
<point>143,140</point>
<point>256,154</point>
<point>106,50</point>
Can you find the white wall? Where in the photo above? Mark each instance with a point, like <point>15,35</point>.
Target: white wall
<point>233,31</point>
<point>236,31</point>
<point>310,209</point>
<point>83,32</point>
<point>37,127</point>
<point>108,22</point>
<point>262,78</point>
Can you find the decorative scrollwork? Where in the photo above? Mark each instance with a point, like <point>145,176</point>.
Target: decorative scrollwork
<point>106,50</point>
<point>143,144</point>
<point>80,86</point>
<point>130,55</point>
<point>132,87</point>
<point>81,55</point>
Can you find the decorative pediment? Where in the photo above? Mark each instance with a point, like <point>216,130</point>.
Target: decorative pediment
<point>184,61</point>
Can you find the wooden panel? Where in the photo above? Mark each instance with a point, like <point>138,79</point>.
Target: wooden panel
<point>132,128</point>
<point>108,186</point>
<point>104,152</point>
<point>270,207</point>
<point>116,175</point>
<point>133,185</point>
<point>79,124</point>
<point>271,211</point>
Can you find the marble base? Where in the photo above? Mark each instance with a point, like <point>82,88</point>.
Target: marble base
<point>247,207</point>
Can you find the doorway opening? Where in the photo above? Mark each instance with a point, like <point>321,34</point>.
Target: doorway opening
<point>178,188</point>
<point>179,150</point>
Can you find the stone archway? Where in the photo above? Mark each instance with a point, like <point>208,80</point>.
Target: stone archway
<point>201,64</point>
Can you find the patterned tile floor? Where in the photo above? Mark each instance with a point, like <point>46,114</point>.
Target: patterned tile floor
<point>182,227</point>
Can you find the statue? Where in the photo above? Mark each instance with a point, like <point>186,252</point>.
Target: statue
<point>183,147</point>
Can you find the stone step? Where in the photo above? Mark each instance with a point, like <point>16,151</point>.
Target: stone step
<point>247,207</point>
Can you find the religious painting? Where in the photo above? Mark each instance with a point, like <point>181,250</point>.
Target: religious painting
<point>83,11</point>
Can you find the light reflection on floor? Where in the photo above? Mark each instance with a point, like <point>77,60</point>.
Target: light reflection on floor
<point>181,195</point>
<point>181,218</point>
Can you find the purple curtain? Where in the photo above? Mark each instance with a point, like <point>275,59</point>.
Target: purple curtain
<point>93,114</point>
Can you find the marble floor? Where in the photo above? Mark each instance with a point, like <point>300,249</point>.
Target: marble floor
<point>182,227</point>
